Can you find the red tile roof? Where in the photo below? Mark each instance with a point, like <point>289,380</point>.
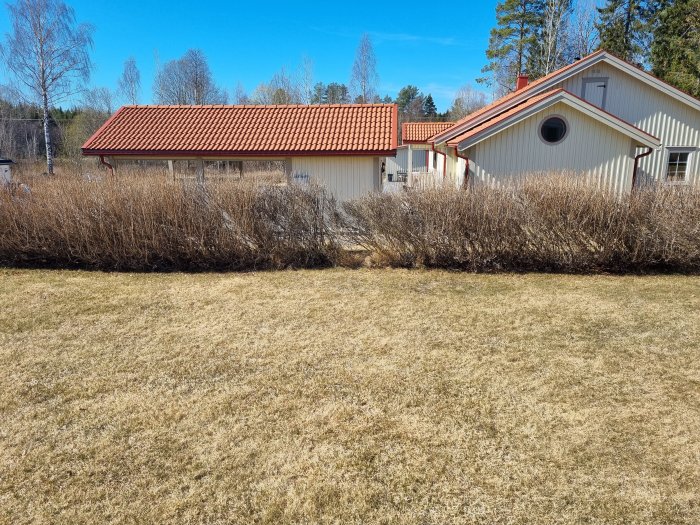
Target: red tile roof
<point>420,132</point>
<point>356,129</point>
<point>501,117</point>
<point>533,101</point>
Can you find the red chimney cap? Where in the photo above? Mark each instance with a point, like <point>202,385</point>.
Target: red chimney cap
<point>523,81</point>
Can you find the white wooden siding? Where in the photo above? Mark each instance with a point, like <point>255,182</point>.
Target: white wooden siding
<point>590,148</point>
<point>345,177</point>
<point>675,124</point>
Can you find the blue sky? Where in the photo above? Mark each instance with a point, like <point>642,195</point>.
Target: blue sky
<point>437,50</point>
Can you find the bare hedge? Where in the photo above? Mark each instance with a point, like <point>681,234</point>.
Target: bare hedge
<point>549,224</point>
<point>147,224</point>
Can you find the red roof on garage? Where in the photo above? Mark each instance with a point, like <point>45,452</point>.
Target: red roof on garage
<point>355,129</point>
<point>420,132</point>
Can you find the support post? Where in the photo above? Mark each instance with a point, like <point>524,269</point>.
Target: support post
<point>200,171</point>
<point>409,166</point>
<point>288,170</point>
<point>171,171</point>
<point>240,168</point>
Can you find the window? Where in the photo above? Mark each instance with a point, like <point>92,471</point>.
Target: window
<point>553,130</point>
<point>677,166</point>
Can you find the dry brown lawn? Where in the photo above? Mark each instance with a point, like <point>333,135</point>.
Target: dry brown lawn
<point>341,396</point>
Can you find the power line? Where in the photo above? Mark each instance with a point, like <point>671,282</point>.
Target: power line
<point>35,119</point>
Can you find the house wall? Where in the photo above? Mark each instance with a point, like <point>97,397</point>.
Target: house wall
<point>345,177</point>
<point>590,148</point>
<point>400,162</point>
<point>675,124</point>
<point>454,166</point>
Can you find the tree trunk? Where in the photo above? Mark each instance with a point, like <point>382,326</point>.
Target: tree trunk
<point>47,133</point>
<point>628,25</point>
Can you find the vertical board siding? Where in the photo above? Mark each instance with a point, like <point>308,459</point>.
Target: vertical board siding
<point>346,178</point>
<point>674,123</point>
<point>590,148</point>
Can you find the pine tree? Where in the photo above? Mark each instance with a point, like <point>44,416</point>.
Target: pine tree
<point>406,96</point>
<point>625,26</point>
<point>429,107</point>
<point>511,41</point>
<point>675,51</point>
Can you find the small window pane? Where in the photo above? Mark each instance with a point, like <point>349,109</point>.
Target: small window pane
<point>677,166</point>
<point>553,130</point>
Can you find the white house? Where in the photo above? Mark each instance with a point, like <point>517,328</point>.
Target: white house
<point>599,116</point>
<point>339,146</point>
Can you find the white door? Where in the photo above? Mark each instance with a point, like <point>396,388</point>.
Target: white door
<point>595,91</point>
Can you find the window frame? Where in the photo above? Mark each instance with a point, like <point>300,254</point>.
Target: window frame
<point>566,131</point>
<point>688,165</point>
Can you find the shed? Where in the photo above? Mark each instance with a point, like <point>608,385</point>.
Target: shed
<point>5,170</point>
<point>338,146</point>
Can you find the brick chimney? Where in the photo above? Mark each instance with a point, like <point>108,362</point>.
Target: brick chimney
<point>522,81</point>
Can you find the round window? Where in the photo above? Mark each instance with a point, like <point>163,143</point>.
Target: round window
<point>553,130</point>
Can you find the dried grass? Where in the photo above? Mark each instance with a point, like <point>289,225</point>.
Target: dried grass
<point>383,396</point>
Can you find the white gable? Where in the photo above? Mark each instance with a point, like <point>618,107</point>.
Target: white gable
<point>592,149</point>
<point>672,119</point>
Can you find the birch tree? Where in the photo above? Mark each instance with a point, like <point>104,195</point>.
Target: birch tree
<point>305,80</point>
<point>47,53</point>
<point>549,48</point>
<point>130,82</point>
<point>364,78</point>
<point>187,80</point>
<point>583,35</point>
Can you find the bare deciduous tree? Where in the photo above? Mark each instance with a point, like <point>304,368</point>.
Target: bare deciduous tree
<point>364,78</point>
<point>240,96</point>
<point>583,34</point>
<point>466,101</point>
<point>553,39</point>
<point>281,89</point>
<point>305,82</point>
<point>187,80</point>
<point>47,52</point>
<point>130,82</point>
<point>100,100</point>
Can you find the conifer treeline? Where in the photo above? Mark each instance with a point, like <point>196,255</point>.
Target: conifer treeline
<point>539,36</point>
